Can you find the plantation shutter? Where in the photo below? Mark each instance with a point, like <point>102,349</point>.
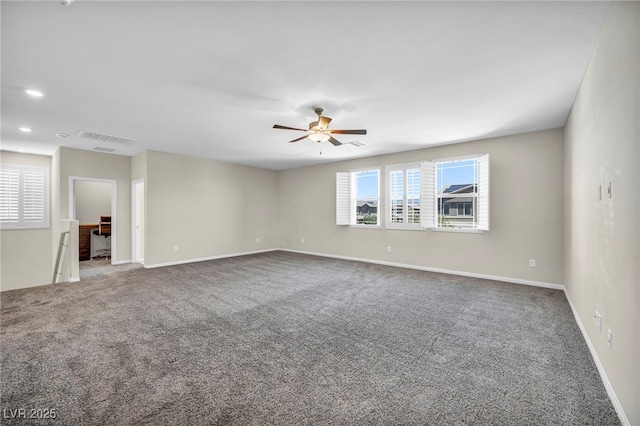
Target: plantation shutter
<point>483,192</point>
<point>343,198</point>
<point>23,197</point>
<point>396,197</point>
<point>9,196</point>
<point>34,198</point>
<point>428,217</point>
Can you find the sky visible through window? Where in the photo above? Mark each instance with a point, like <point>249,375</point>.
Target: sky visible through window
<point>456,172</point>
<point>367,184</point>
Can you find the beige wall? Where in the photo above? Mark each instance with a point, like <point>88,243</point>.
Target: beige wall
<point>88,164</point>
<point>93,199</point>
<point>526,213</point>
<point>602,238</point>
<point>25,254</point>
<point>206,208</point>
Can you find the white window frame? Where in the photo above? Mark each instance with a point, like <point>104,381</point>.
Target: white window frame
<point>482,197</point>
<point>405,208</point>
<point>18,195</point>
<point>346,198</point>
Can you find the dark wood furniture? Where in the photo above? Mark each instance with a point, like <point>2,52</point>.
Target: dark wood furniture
<point>84,237</point>
<point>105,226</point>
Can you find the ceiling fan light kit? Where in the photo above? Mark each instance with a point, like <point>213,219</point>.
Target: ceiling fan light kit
<point>319,137</point>
<point>319,130</point>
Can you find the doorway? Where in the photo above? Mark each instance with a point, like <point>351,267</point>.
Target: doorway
<point>137,219</point>
<point>90,201</point>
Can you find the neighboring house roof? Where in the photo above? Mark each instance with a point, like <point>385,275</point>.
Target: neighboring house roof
<point>459,188</point>
<point>361,203</point>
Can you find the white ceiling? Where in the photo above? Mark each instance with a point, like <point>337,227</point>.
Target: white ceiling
<point>209,79</point>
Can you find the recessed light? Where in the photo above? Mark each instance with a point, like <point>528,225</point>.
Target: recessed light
<point>62,135</point>
<point>26,129</point>
<point>35,93</point>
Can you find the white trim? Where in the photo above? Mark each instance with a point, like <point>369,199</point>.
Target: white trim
<point>114,219</point>
<point>603,375</point>
<point>439,270</point>
<point>202,259</point>
<point>457,158</point>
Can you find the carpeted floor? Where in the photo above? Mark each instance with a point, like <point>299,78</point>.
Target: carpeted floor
<point>102,266</point>
<point>283,338</point>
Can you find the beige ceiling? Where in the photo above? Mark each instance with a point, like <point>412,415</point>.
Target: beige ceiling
<point>209,79</point>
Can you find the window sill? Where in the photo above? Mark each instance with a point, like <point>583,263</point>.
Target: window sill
<point>459,230</point>
<point>366,226</point>
<point>404,228</point>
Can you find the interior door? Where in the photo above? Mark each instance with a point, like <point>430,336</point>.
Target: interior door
<point>138,221</point>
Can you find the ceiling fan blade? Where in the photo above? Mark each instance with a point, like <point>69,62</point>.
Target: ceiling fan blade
<point>334,141</point>
<point>349,132</point>
<point>323,121</point>
<point>277,126</point>
<point>299,139</point>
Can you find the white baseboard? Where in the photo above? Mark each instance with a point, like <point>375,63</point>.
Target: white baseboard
<point>439,270</point>
<point>603,375</point>
<point>202,259</point>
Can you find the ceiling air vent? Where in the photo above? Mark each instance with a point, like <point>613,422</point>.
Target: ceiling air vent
<point>106,138</point>
<point>103,149</point>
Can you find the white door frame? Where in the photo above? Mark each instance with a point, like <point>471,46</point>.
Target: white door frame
<point>114,217</point>
<point>135,206</point>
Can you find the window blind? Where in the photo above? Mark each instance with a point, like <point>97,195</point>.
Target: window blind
<point>343,198</point>
<point>428,210</point>
<point>24,197</point>
<point>396,195</point>
<point>483,192</point>
<point>9,196</point>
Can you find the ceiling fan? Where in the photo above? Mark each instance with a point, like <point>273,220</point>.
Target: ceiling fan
<point>319,130</point>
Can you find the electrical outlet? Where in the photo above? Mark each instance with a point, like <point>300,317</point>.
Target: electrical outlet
<point>598,318</point>
<point>175,248</point>
<point>609,338</point>
<point>532,263</point>
<point>301,240</point>
<point>389,249</point>
<point>258,240</point>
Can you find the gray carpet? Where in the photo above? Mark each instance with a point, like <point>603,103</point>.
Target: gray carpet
<point>102,266</point>
<point>283,338</point>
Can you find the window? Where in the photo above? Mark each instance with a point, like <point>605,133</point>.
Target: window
<point>449,194</point>
<point>358,197</point>
<point>403,196</point>
<point>462,193</point>
<point>24,198</point>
